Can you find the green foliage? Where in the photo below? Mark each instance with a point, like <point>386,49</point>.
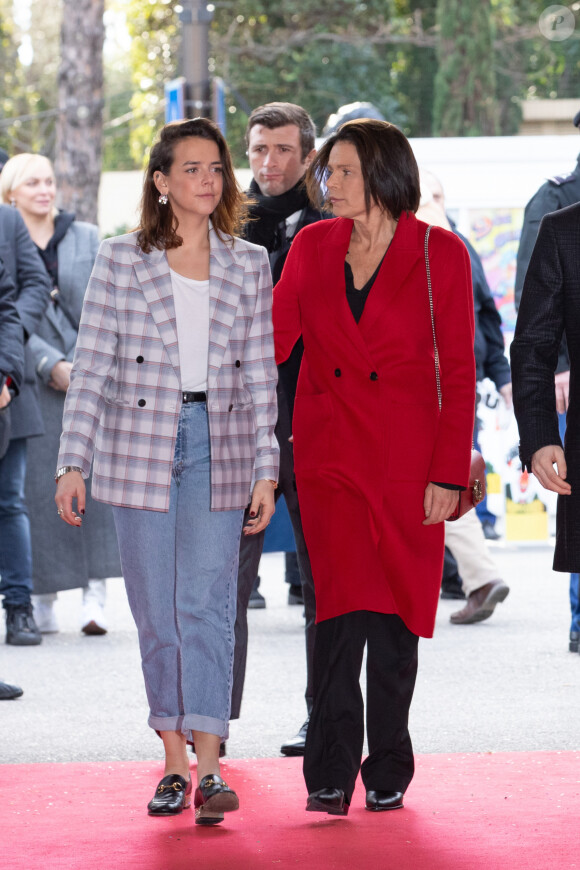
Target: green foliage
<point>154,29</point>
<point>14,100</point>
<point>465,85</point>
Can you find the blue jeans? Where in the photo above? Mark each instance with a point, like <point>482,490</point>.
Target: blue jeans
<point>574,578</point>
<point>180,571</point>
<point>15,546</point>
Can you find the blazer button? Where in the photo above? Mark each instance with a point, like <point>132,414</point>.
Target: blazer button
<point>337,373</point>
<point>374,376</point>
<point>141,403</point>
<point>231,408</point>
<point>140,359</point>
<point>238,363</point>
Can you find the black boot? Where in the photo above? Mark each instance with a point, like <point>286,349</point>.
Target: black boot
<point>21,628</point>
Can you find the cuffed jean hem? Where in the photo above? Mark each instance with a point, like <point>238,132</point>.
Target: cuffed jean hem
<point>191,722</point>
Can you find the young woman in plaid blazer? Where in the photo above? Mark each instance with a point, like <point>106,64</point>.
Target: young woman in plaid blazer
<point>172,398</point>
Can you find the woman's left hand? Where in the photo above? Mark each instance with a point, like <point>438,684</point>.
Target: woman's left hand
<point>261,507</point>
<point>438,504</point>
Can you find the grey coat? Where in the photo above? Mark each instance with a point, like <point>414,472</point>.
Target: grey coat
<point>64,557</point>
<point>25,267</point>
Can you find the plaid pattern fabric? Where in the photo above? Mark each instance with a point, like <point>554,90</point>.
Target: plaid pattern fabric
<point>123,403</point>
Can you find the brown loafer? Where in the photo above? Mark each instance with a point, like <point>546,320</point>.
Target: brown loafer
<point>481,603</point>
<point>173,795</point>
<point>213,798</point>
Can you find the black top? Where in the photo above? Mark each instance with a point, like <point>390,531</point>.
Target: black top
<point>357,298</point>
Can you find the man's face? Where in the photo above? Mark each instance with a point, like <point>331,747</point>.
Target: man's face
<point>276,158</point>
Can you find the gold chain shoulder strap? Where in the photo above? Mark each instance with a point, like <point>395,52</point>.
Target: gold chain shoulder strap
<point>430,289</point>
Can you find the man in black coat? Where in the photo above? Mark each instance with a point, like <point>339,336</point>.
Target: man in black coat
<point>557,193</point>
<point>25,268</point>
<point>550,307</point>
<point>280,139</point>
<point>11,373</point>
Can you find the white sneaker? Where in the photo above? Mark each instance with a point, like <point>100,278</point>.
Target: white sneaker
<point>43,613</point>
<point>93,611</point>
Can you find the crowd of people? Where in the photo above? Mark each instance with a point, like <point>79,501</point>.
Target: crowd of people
<point>319,336</point>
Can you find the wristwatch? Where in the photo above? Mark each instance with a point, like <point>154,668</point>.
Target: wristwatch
<point>65,470</point>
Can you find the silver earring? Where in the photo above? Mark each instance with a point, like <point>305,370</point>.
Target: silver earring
<point>13,203</point>
<point>163,198</point>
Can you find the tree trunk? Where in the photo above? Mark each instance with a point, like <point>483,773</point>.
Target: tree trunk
<point>80,102</point>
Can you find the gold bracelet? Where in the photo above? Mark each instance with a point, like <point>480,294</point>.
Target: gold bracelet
<point>273,482</point>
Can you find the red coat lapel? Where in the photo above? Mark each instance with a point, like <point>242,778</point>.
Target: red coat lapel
<point>404,251</point>
<point>332,254</point>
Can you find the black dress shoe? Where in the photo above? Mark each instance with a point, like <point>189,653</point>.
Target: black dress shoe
<point>21,628</point>
<point>574,641</point>
<point>451,589</point>
<point>213,798</point>
<point>257,600</point>
<point>489,531</point>
<point>383,800</point>
<point>327,800</point>
<point>296,745</point>
<point>295,595</point>
<point>172,796</point>
<point>8,692</point>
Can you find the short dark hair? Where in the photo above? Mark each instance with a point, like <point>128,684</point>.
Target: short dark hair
<point>158,224</point>
<point>273,115</point>
<point>389,168</point>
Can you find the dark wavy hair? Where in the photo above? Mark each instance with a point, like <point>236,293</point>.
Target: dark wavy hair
<point>158,224</point>
<point>389,168</point>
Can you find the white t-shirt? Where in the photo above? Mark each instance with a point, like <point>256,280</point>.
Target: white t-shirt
<point>191,300</point>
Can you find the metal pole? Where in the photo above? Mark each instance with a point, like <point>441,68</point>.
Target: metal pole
<point>195,19</point>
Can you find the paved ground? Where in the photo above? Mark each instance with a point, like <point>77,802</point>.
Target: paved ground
<point>508,684</point>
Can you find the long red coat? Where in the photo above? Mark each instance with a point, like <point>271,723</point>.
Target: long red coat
<point>368,435</point>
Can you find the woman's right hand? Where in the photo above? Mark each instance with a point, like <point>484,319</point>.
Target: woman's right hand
<point>70,486</point>
<point>438,503</point>
<point>60,376</point>
<point>5,397</point>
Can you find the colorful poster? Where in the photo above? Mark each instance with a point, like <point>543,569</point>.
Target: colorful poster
<point>513,494</point>
<point>495,235</point>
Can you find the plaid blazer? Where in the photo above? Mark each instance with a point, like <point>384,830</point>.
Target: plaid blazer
<point>124,399</point>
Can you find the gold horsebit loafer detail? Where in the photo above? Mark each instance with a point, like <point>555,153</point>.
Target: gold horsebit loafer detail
<point>213,798</point>
<point>173,794</point>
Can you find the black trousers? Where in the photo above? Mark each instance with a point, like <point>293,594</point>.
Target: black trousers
<point>334,742</point>
<point>250,554</point>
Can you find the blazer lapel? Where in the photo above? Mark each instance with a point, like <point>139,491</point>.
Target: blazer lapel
<point>152,271</point>
<point>332,254</point>
<point>226,276</point>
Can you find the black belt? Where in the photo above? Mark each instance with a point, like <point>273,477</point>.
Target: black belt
<point>193,397</point>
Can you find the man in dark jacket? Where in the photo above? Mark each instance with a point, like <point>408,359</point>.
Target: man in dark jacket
<point>550,307</point>
<point>25,268</point>
<point>280,139</point>
<point>557,193</point>
<point>11,373</point>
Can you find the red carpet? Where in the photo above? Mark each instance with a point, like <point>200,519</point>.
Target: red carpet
<point>463,812</point>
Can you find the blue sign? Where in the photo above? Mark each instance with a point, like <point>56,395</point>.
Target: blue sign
<point>175,100</point>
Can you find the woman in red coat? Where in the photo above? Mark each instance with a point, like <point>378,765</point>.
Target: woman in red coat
<point>378,464</point>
